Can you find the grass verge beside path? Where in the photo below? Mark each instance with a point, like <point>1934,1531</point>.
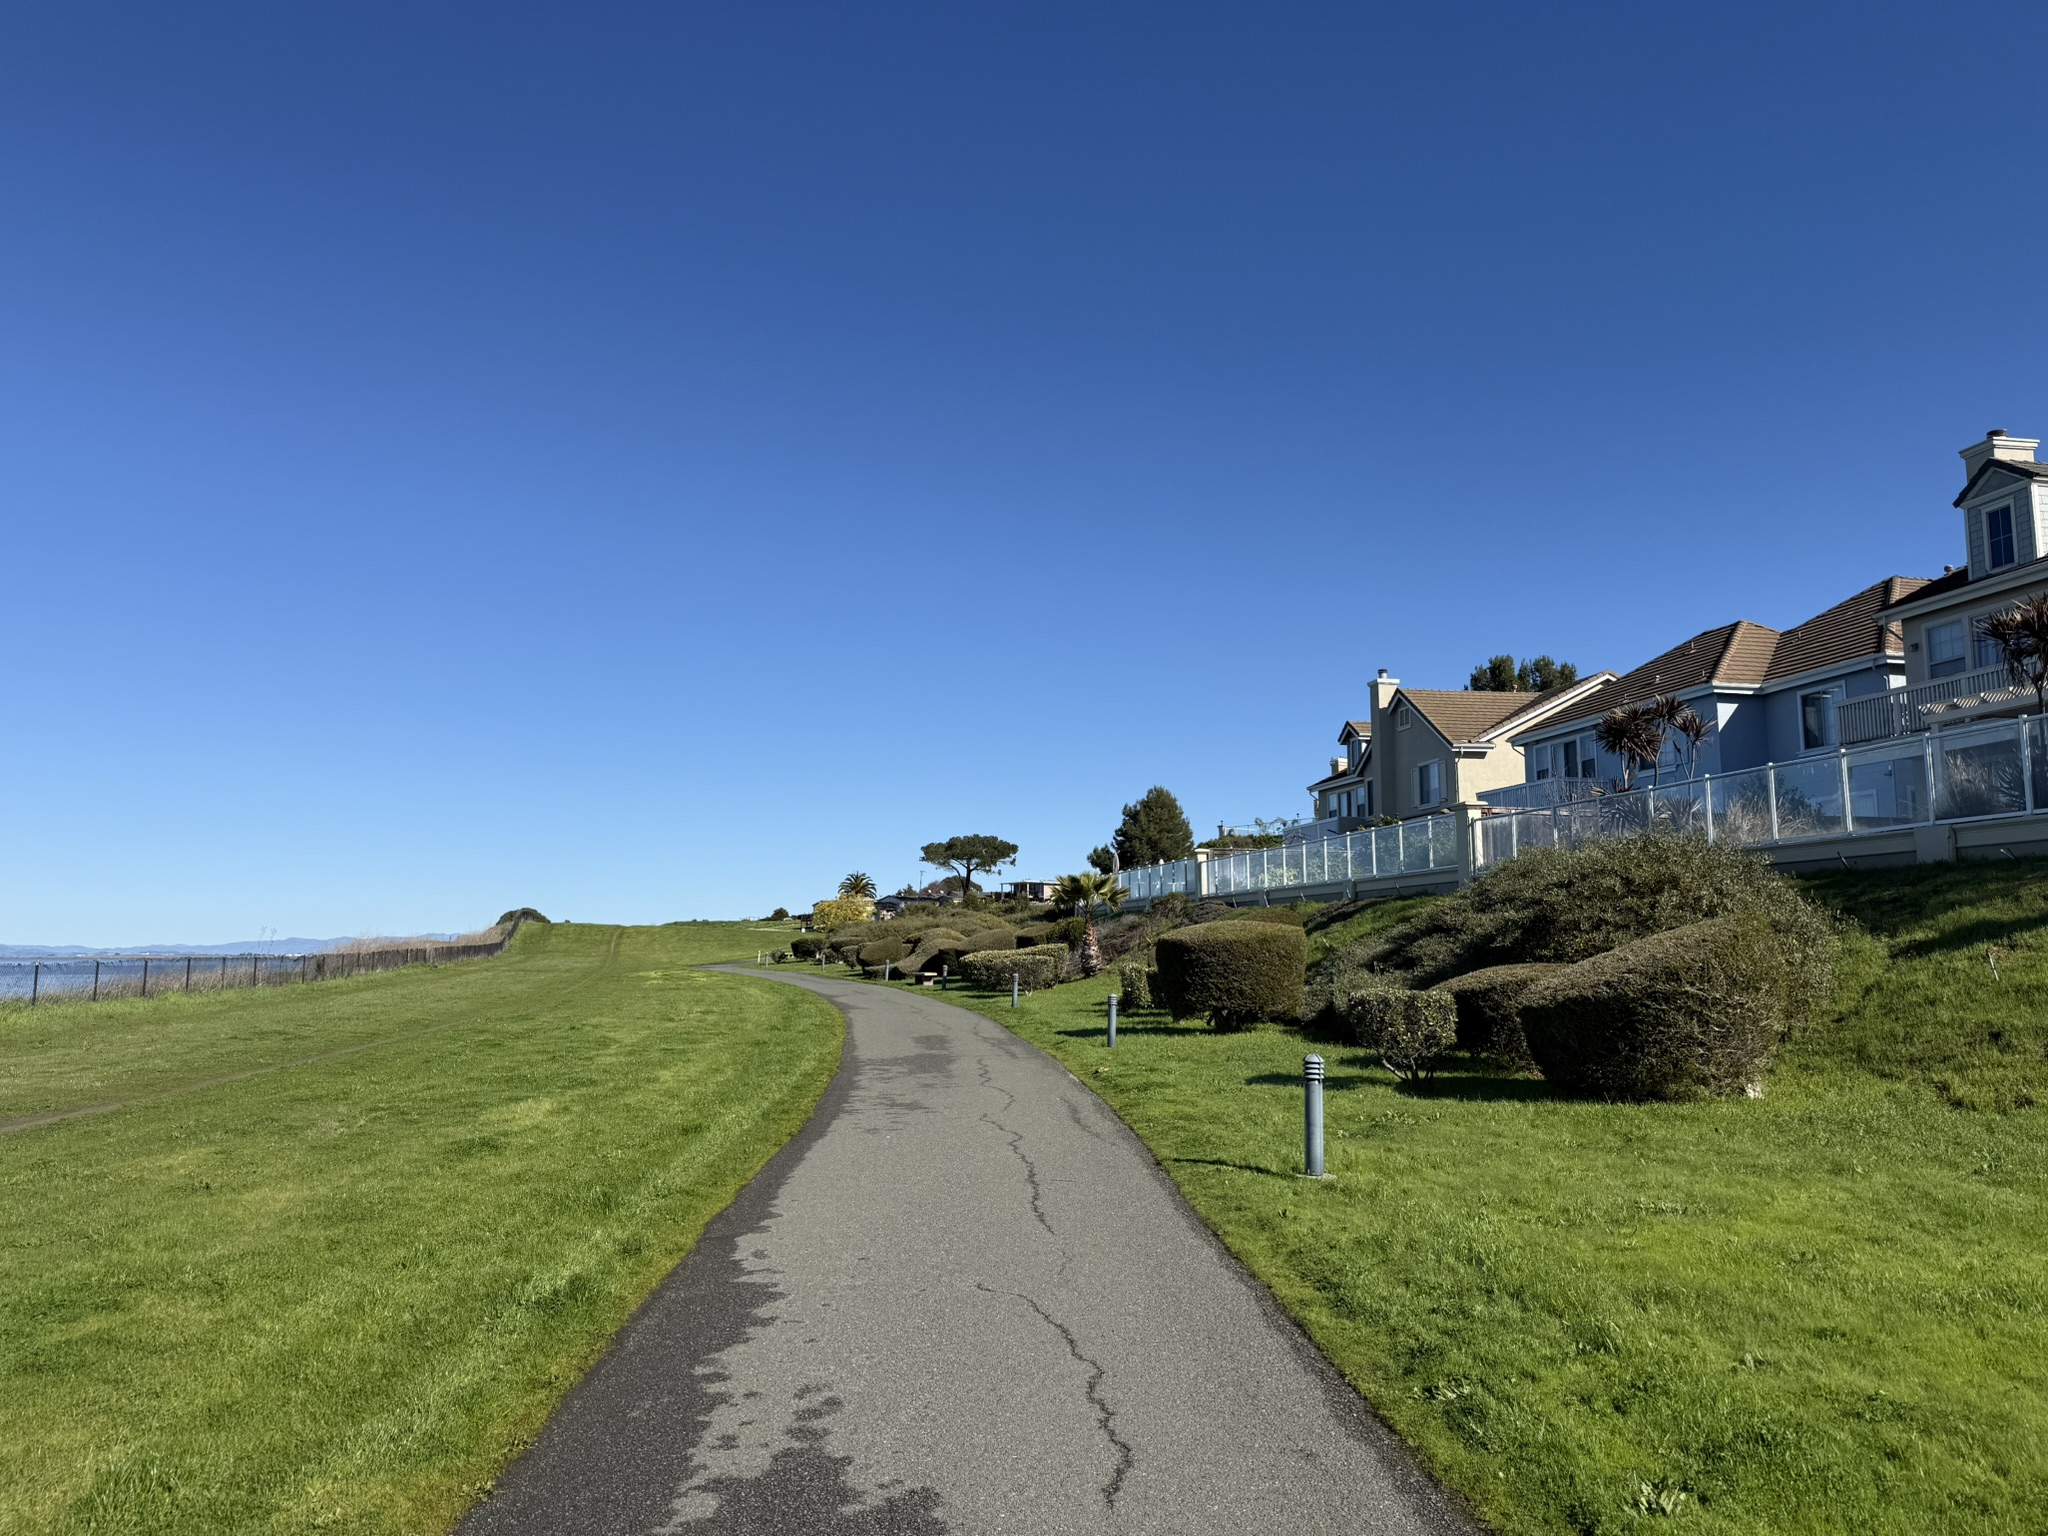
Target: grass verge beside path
<point>1823,1311</point>
<point>340,1295</point>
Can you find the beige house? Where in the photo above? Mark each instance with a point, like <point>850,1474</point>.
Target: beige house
<point>1429,750</point>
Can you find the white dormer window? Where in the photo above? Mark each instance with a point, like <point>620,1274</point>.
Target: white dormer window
<point>1998,543</point>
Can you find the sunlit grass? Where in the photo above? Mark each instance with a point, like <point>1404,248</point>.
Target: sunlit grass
<point>338,1296</point>
<point>1823,1311</point>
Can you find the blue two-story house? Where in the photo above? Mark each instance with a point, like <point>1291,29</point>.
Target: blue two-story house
<point>1766,695</point>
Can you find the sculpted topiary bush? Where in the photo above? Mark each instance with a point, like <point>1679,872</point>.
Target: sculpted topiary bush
<point>1287,917</point>
<point>1233,974</point>
<point>936,947</point>
<point>1036,969</point>
<point>809,946</point>
<point>1565,905</point>
<point>1687,1013</point>
<point>1489,1004</point>
<point>890,952</point>
<point>1410,1031</point>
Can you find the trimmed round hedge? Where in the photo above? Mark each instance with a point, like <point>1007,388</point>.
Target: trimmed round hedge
<point>808,946</point>
<point>1232,973</point>
<point>1688,1013</point>
<point>1489,1004</point>
<point>1036,969</point>
<point>890,952</point>
<point>936,947</point>
<point>1286,917</point>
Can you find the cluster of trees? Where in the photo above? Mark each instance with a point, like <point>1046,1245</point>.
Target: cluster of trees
<point>1536,674</point>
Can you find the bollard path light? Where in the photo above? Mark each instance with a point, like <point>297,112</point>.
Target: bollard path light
<point>1312,1115</point>
<point>1013,989</point>
<point>945,975</point>
<point>1112,1021</point>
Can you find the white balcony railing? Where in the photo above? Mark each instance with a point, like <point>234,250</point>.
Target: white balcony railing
<point>1541,794</point>
<point>1904,711</point>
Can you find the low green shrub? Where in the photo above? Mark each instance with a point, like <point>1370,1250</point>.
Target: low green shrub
<point>1234,974</point>
<point>809,946</point>
<point>1409,1031</point>
<point>1489,1004</point>
<point>1287,917</point>
<point>1037,970</point>
<point>779,915</point>
<point>1068,931</point>
<point>1029,934</point>
<point>1134,985</point>
<point>1687,1013</point>
<point>1565,905</point>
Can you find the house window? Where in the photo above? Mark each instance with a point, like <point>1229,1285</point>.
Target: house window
<point>1541,770</point>
<point>1589,758</point>
<point>1946,649</point>
<point>1985,650</point>
<point>1998,535</point>
<point>1569,767</point>
<point>1366,810</point>
<point>1817,720</point>
<point>1429,782</point>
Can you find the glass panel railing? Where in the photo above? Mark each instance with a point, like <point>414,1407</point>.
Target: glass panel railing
<point>1888,786</point>
<point>1977,772</point>
<point>1810,797</point>
<point>1443,842</point>
<point>1679,808</point>
<point>1386,850</point>
<point>2037,749</point>
<point>1742,807</point>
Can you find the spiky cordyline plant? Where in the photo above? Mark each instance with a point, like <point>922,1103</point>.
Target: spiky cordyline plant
<point>1633,733</point>
<point>2021,635</point>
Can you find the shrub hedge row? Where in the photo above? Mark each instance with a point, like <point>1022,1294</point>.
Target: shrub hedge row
<point>1036,969</point>
<point>1489,1007</point>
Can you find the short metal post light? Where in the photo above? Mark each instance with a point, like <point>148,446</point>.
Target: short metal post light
<point>945,976</point>
<point>1112,1021</point>
<point>1013,989</point>
<point>1312,1114</point>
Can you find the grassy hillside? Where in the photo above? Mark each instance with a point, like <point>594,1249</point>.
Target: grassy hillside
<point>339,1293</point>
<point>1818,1312</point>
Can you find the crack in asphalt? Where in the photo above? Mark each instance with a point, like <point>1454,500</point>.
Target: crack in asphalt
<point>1105,1416</point>
<point>1030,1171</point>
<point>989,1082</point>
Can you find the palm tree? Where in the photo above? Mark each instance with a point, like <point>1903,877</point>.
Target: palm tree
<point>1084,893</point>
<point>2021,635</point>
<point>857,884</point>
<point>1633,733</point>
<point>1679,719</point>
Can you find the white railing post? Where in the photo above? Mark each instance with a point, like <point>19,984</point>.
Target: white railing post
<point>1707,802</point>
<point>2027,763</point>
<point>1514,836</point>
<point>1771,792</point>
<point>1400,845</point>
<point>1848,814</point>
<point>1927,756</point>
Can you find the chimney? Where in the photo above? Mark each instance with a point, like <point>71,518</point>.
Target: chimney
<point>1998,444</point>
<point>1383,688</point>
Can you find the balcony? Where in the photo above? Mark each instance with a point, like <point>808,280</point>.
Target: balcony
<point>1542,794</point>
<point>1903,711</point>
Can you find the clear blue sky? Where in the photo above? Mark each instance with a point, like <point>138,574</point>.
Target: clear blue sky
<point>646,461</point>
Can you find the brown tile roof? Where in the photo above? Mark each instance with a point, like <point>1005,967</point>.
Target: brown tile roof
<point>1362,728</point>
<point>1466,714</point>
<point>1734,653</point>
<point>1745,654</point>
<point>1940,586</point>
<point>1853,627</point>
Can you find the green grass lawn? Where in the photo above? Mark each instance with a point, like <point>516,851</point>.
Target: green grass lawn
<point>1822,1311</point>
<point>339,1295</point>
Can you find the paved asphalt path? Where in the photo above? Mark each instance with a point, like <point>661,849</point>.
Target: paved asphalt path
<point>964,1299</point>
